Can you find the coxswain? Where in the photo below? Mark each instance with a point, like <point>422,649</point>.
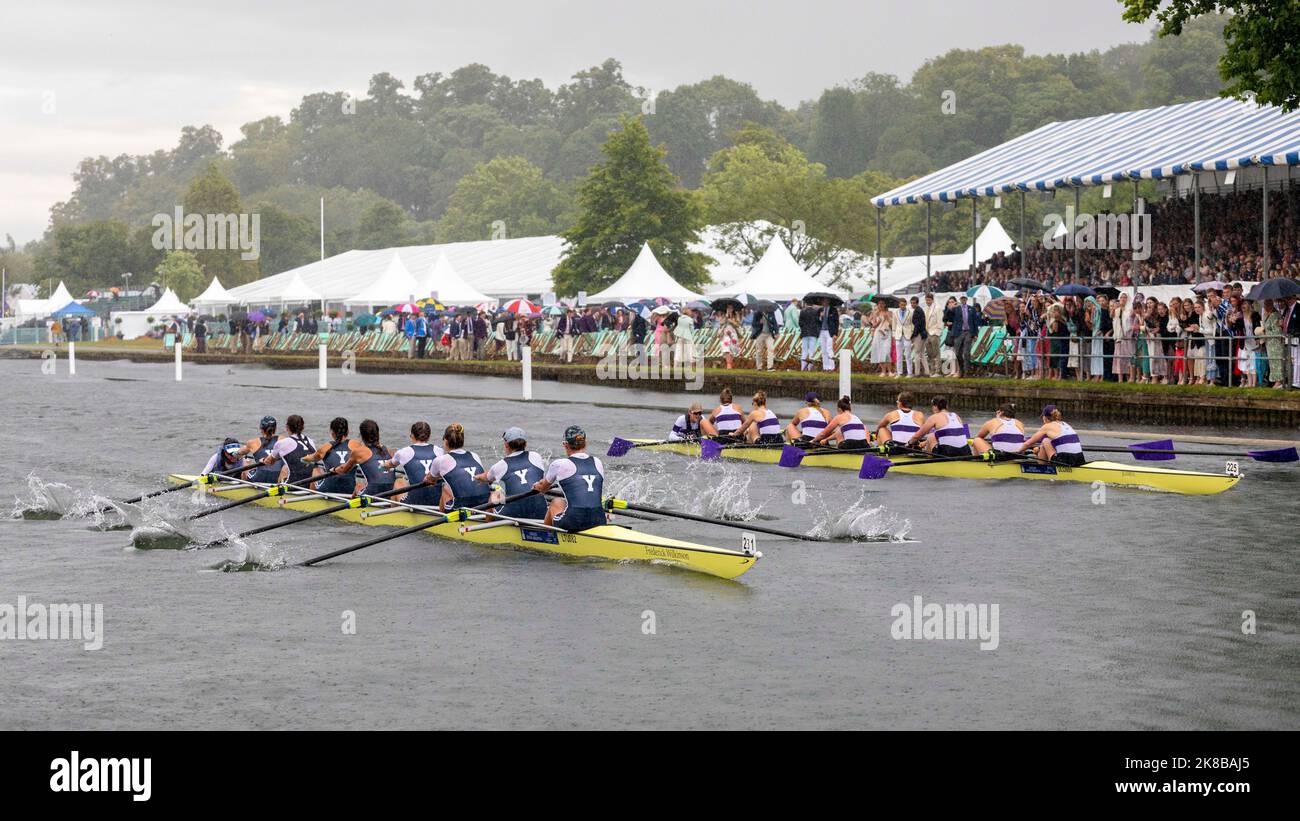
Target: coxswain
<point>516,473</point>
<point>459,470</point>
<point>944,433</point>
<point>845,428</point>
<point>809,420</point>
<point>333,454</point>
<point>417,459</point>
<point>689,426</point>
<point>1003,433</point>
<point>368,453</point>
<point>726,418</point>
<point>1056,440</point>
<point>228,458</point>
<point>761,425</point>
<point>897,427</point>
<point>581,479</point>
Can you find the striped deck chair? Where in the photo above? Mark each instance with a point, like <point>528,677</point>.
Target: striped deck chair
<point>979,348</point>
<point>787,346</point>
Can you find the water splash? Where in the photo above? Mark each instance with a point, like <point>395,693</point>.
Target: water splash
<point>45,500</point>
<point>252,556</point>
<point>719,490</point>
<point>862,522</point>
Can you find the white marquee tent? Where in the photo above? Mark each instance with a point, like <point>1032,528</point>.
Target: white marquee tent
<point>394,285</point>
<point>298,292</point>
<point>215,296</point>
<point>898,273</point>
<point>776,275</point>
<point>441,278</point>
<point>646,278</point>
<point>33,308</point>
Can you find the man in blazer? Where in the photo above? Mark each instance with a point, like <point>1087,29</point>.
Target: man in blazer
<point>965,324</point>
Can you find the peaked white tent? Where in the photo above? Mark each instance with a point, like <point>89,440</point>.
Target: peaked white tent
<point>298,291</point>
<point>776,275</point>
<point>441,278</point>
<point>394,285</point>
<point>645,279</point>
<point>168,305</point>
<point>32,308</point>
<point>900,272</point>
<point>215,295</point>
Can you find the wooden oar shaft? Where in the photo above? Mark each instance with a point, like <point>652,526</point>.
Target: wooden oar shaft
<point>434,522</point>
<point>274,489</point>
<point>722,522</point>
<point>174,488</point>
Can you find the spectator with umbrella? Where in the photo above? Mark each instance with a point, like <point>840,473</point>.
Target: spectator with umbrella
<point>763,331</point>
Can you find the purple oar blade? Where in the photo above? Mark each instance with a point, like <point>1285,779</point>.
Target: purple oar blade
<point>1279,455</point>
<point>618,447</point>
<point>1159,444</point>
<point>709,449</point>
<point>873,467</point>
<point>791,456</point>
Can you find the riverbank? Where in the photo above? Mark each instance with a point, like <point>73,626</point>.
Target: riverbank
<point>1191,405</point>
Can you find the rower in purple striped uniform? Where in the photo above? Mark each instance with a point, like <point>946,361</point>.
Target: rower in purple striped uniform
<point>845,427</point>
<point>1056,440</point>
<point>688,425</point>
<point>1003,433</point>
<point>761,425</point>
<point>944,433</point>
<point>808,421</point>
<point>726,418</point>
<point>896,427</point>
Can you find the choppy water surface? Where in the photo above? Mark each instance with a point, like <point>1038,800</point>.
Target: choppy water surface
<point>1121,615</point>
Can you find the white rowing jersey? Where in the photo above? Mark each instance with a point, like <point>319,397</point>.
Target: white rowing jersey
<point>853,430</point>
<point>769,424</point>
<point>903,428</point>
<point>953,433</point>
<point>812,424</point>
<point>1008,437</point>
<point>727,419</point>
<point>1068,441</point>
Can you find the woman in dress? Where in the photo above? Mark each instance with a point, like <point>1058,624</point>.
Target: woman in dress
<point>1097,367</point>
<point>1272,327</point>
<point>1123,339</point>
<point>882,337</point>
<point>729,336</point>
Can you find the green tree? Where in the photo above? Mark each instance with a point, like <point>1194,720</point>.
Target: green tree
<point>1260,57</point>
<point>693,122</point>
<point>383,225</point>
<point>213,194</point>
<point>629,199</point>
<point>180,271</point>
<point>87,255</point>
<point>506,191</point>
<point>288,239</point>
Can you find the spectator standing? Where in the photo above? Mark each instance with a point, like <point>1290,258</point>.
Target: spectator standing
<point>934,327</point>
<point>809,329</point>
<point>763,331</point>
<point>201,336</point>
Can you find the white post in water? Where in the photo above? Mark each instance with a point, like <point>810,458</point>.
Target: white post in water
<point>321,383</point>
<point>72,359</point>
<point>526,357</point>
<point>846,372</point>
<point>177,346</point>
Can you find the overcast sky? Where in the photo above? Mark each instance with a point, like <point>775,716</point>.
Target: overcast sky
<point>87,78</point>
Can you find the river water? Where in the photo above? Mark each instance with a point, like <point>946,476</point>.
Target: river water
<point>1123,615</point>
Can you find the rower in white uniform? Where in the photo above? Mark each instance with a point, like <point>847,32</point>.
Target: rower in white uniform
<point>688,426</point>
<point>1056,441</point>
<point>761,425</point>
<point>726,418</point>
<point>808,421</point>
<point>1003,433</point>
<point>845,428</point>
<point>944,433</point>
<point>897,426</point>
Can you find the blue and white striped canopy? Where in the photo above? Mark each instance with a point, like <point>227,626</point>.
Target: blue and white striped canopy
<point>1207,135</point>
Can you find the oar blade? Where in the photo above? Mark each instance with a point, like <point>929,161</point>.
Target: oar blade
<point>710,450</point>
<point>1278,455</point>
<point>874,467</point>
<point>1159,444</point>
<point>619,447</point>
<point>791,456</point>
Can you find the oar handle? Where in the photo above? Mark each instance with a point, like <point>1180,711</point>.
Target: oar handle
<point>358,501</point>
<point>182,486</point>
<point>273,490</point>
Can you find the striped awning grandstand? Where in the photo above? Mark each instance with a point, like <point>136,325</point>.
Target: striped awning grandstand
<point>1206,135</point>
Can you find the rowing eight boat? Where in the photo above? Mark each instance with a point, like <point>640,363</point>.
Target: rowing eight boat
<point>1111,473</point>
<point>612,542</point>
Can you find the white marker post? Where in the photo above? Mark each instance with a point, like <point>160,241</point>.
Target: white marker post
<point>527,359</point>
<point>176,345</point>
<point>72,359</point>
<point>322,383</point>
<point>846,372</point>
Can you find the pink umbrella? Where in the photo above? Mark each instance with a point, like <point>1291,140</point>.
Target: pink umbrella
<point>521,306</point>
<point>407,308</point>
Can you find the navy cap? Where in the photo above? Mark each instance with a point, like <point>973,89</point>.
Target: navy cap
<point>1048,410</point>
<point>267,422</point>
<point>573,433</point>
<point>513,433</point>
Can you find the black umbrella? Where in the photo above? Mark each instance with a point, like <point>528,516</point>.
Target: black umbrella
<point>823,298</point>
<point>1108,291</point>
<point>1074,289</point>
<point>467,309</point>
<point>727,303</point>
<point>763,305</point>
<point>1276,288</point>
<point>1027,283</point>
<point>888,300</point>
